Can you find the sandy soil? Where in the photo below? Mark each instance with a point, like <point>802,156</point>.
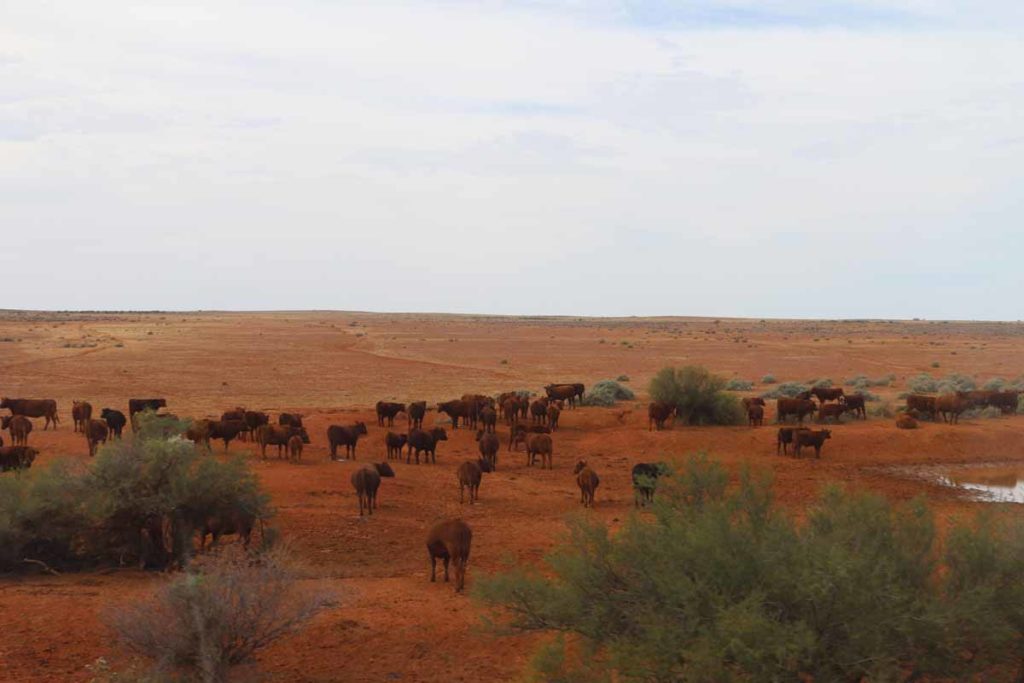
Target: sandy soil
<point>390,622</point>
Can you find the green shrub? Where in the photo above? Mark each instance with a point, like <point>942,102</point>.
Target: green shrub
<point>994,384</point>
<point>956,382</point>
<point>739,385</point>
<point>923,384</point>
<point>786,390</point>
<point>768,379</point>
<point>882,409</point>
<point>606,393</point>
<point>863,382</point>
<point>823,383</point>
<point>986,413</point>
<point>699,396</point>
<point>722,585</point>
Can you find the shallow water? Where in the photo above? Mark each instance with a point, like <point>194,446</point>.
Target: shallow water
<point>997,484</point>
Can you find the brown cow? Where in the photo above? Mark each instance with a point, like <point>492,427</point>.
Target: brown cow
<point>290,420</point>
<point>539,411</point>
<point>588,482</point>
<point>137,405</point>
<point>752,401</point>
<point>278,435</point>
<point>488,444</point>
<point>833,410</point>
<point>233,522</point>
<point>855,404</point>
<point>459,409</point>
<point>19,426</point>
<point>426,442</point>
<point>539,444</point>
<point>338,435</point>
<point>949,406</point>
<point>81,412</point>
<point>199,433</point>
<point>366,481</point>
<point>921,404</point>
<point>785,437</point>
<point>824,394</point>
<point>520,433</point>
<point>657,413</point>
<point>16,457</point>
<point>254,419</point>
<point>386,410</point>
<point>565,392</point>
<point>510,409</point>
<point>394,443</point>
<point>470,474</point>
<point>226,430</point>
<point>554,412</point>
<point>488,419</point>
<point>806,437</point>
<point>31,407</point>
<point>1006,401</point>
<point>450,541</point>
<point>417,409</point>
<point>755,415</point>
<point>906,422</point>
<point>115,419</point>
<point>95,433</point>
<point>795,406</point>
<point>295,448</point>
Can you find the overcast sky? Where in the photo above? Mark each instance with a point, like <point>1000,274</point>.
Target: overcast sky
<point>796,158</point>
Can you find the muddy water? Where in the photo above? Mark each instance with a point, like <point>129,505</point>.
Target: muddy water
<point>997,484</point>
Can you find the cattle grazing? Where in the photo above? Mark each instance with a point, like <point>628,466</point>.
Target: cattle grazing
<point>115,420</point>
<point>814,439</point>
<point>137,405</point>
<point>922,405</point>
<point>366,481</point>
<point>785,437</point>
<point>16,457</point>
<point>295,448</point>
<point>81,412</point>
<point>906,422</point>
<point>19,426</point>
<point>394,443</point>
<point>831,410</point>
<point>290,420</point>
<point>520,433</point>
<point>226,430</point>
<point>645,481</point>
<point>795,406</point>
<point>226,524</point>
<point>539,444</point>
<point>588,482</point>
<point>450,542</point>
<point>824,394</point>
<point>657,413</point>
<point>755,415</point>
<point>95,433</point>
<point>277,435</point>
<point>489,444</point>
<point>524,407</point>
<point>855,404</point>
<point>425,441</point>
<point>417,410</point>
<point>254,419</point>
<point>510,409</point>
<point>459,409</point>
<point>554,412</point>
<point>387,410</point>
<point>347,436</point>
<point>539,411</point>
<point>949,406</point>
<point>30,407</point>
<point>488,419</point>
<point>564,392</point>
<point>752,401</point>
<point>470,474</point>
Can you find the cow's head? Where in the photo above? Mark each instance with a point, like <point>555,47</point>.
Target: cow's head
<point>580,464</point>
<point>439,434</point>
<point>384,469</point>
<point>359,428</point>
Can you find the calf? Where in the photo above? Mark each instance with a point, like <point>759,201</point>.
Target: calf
<point>31,407</point>
<point>366,481</point>
<point>520,433</point>
<point>906,422</point>
<point>450,542</point>
<point>657,413</point>
<point>554,412</point>
<point>338,435</point>
<point>199,433</point>
<point>795,406</point>
<point>295,448</point>
<point>588,482</point>
<point>806,437</point>
<point>394,443</point>
<point>19,426</point>
<point>417,409</point>
<point>833,410</point>
<point>489,445</point>
<point>469,474</point>
<point>645,480</point>
<point>425,442</point>
<point>16,457</point>
<point>387,410</point>
<point>115,420</point>
<point>539,444</point>
<point>785,437</point>
<point>277,435</point>
<point>81,412</point>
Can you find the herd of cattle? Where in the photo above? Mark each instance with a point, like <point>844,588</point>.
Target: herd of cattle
<point>531,423</point>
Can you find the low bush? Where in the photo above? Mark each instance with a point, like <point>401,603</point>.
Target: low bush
<point>994,384</point>
<point>863,382</point>
<point>622,378</point>
<point>699,396</point>
<point>926,384</point>
<point>739,385</point>
<point>768,379</point>
<point>881,409</point>
<point>822,383</point>
<point>986,413</point>
<point>217,615</point>
<point>606,393</point>
<point>724,585</point>
<point>786,390</point>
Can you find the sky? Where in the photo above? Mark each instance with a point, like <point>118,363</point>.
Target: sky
<point>762,158</point>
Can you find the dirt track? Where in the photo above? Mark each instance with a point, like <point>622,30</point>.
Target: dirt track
<point>391,623</point>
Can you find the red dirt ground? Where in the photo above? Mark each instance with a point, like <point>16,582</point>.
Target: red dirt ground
<point>390,623</point>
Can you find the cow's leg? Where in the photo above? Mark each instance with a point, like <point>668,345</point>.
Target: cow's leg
<point>433,568</point>
<point>447,559</point>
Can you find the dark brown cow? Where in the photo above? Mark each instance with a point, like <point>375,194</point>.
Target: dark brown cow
<point>16,457</point>
<point>855,404</point>
<point>237,414</point>
<point>906,422</point>
<point>19,426</point>
<point>755,415</point>
<point>32,407</point>
<point>450,542</point>
<point>785,437</point>
<point>489,445</point>
<point>96,432</point>
<point>227,524</point>
<point>539,444</point>
<point>386,410</point>
<point>657,413</point>
<point>806,437</point>
<point>588,482</point>
<point>254,419</point>
<point>366,481</point>
<point>115,420</point>
<point>199,433</point>
<point>81,412</point>
<point>278,435</point>
<point>565,392</point>
<point>539,410</point>
<point>510,409</point>
<point>520,433</point>
<point>226,430</point>
<point>426,442</point>
<point>795,406</point>
<point>554,412</point>
<point>394,443</point>
<point>137,405</point>
<point>921,404</point>
<point>339,435</point>
<point>752,401</point>
<point>488,419</point>
<point>824,394</point>
<point>290,420</point>
<point>459,409</point>
<point>470,474</point>
<point>949,406</point>
<point>417,410</point>
<point>1006,401</point>
<point>833,410</point>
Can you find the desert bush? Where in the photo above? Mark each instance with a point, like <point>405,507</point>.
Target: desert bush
<point>217,615</point>
<point>699,396</point>
<point>768,379</point>
<point>994,384</point>
<point>786,390</point>
<point>881,409</point>
<point>956,382</point>
<point>863,382</point>
<point>986,413</point>
<point>923,384</point>
<point>821,383</point>
<point>722,585</point>
<point>739,385</point>
<point>606,393</point>
<point>622,378</point>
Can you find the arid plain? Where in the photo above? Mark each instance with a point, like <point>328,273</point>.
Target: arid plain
<point>389,622</point>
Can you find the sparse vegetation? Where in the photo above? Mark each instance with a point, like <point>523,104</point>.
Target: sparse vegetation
<point>622,378</point>
<point>606,393</point>
<point>926,384</point>
<point>863,382</point>
<point>768,379</point>
<point>699,396</point>
<point>739,385</point>
<point>786,390</point>
<point>723,585</point>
